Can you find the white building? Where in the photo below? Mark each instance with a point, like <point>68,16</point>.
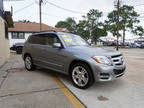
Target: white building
<point>22,30</point>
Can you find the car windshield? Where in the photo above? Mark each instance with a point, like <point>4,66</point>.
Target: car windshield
<point>73,40</point>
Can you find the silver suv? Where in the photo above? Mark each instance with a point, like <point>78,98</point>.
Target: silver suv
<point>72,55</point>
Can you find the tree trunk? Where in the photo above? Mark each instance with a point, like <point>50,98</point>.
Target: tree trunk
<point>124,36</point>
<point>91,32</point>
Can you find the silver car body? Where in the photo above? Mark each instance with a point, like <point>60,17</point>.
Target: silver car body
<point>60,59</point>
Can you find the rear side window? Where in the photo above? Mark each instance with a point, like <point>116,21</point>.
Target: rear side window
<point>47,39</point>
<point>37,40</point>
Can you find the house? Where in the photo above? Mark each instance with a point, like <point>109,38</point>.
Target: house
<point>5,22</point>
<point>22,30</point>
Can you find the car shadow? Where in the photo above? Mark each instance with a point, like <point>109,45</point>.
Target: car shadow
<point>102,86</point>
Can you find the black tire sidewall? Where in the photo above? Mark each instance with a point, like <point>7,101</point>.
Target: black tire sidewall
<point>86,67</point>
<point>18,50</point>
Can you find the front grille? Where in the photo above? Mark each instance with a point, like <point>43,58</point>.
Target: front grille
<point>117,60</point>
<point>115,56</point>
<point>118,64</point>
<point>118,72</point>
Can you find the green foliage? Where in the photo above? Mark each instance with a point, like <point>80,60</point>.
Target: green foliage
<point>128,21</point>
<point>93,25</point>
<point>81,29</point>
<point>138,31</point>
<point>89,27</point>
<point>69,23</point>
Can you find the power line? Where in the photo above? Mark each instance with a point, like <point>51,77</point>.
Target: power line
<point>23,8</point>
<point>46,14</point>
<point>69,10</point>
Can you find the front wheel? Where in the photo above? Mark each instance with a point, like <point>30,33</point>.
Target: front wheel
<point>29,63</point>
<point>81,75</point>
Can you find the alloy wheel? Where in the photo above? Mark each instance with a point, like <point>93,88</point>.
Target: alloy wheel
<point>80,76</point>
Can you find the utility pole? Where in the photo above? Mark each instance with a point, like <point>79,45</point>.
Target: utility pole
<point>40,15</point>
<point>118,15</point>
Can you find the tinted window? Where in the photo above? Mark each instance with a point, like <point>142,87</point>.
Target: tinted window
<point>37,40</point>
<point>47,39</point>
<point>50,39</point>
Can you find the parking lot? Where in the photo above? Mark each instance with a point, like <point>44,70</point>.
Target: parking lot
<point>39,89</point>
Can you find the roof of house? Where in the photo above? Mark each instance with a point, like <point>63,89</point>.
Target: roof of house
<point>33,27</point>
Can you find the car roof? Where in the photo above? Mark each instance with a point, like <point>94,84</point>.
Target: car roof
<point>52,32</point>
<point>44,33</point>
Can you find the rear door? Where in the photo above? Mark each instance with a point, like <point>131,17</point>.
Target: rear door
<point>36,44</point>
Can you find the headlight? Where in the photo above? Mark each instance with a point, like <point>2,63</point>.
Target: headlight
<point>102,60</point>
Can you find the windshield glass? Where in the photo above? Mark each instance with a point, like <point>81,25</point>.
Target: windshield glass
<point>73,40</point>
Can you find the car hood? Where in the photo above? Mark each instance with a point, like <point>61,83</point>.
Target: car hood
<point>92,51</point>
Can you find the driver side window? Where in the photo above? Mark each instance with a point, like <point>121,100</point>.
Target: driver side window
<point>50,39</point>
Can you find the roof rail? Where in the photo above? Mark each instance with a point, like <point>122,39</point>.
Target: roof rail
<point>49,31</point>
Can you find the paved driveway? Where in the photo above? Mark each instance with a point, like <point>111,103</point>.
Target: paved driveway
<point>37,89</point>
<point>22,89</point>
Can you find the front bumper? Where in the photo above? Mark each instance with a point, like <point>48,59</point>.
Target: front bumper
<point>108,73</point>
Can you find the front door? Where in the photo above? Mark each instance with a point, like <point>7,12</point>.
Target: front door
<point>53,58</point>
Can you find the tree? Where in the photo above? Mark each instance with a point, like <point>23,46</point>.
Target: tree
<point>98,32</point>
<point>69,23</point>
<point>128,20</point>
<point>138,30</point>
<point>110,24</point>
<point>93,25</point>
<point>81,29</point>
<point>89,27</point>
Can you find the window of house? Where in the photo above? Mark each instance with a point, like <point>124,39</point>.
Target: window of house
<point>18,35</point>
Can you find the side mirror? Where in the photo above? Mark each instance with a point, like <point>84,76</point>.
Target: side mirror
<point>57,45</point>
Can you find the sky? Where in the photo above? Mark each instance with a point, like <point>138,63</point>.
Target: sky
<point>29,9</point>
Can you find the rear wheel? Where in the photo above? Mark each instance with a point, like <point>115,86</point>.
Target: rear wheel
<point>81,75</point>
<point>29,63</point>
<point>19,50</point>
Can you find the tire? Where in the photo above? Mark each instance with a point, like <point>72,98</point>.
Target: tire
<point>19,50</point>
<point>29,63</point>
<point>81,75</point>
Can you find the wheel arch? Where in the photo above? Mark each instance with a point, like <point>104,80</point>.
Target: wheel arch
<point>80,61</point>
<point>26,55</point>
